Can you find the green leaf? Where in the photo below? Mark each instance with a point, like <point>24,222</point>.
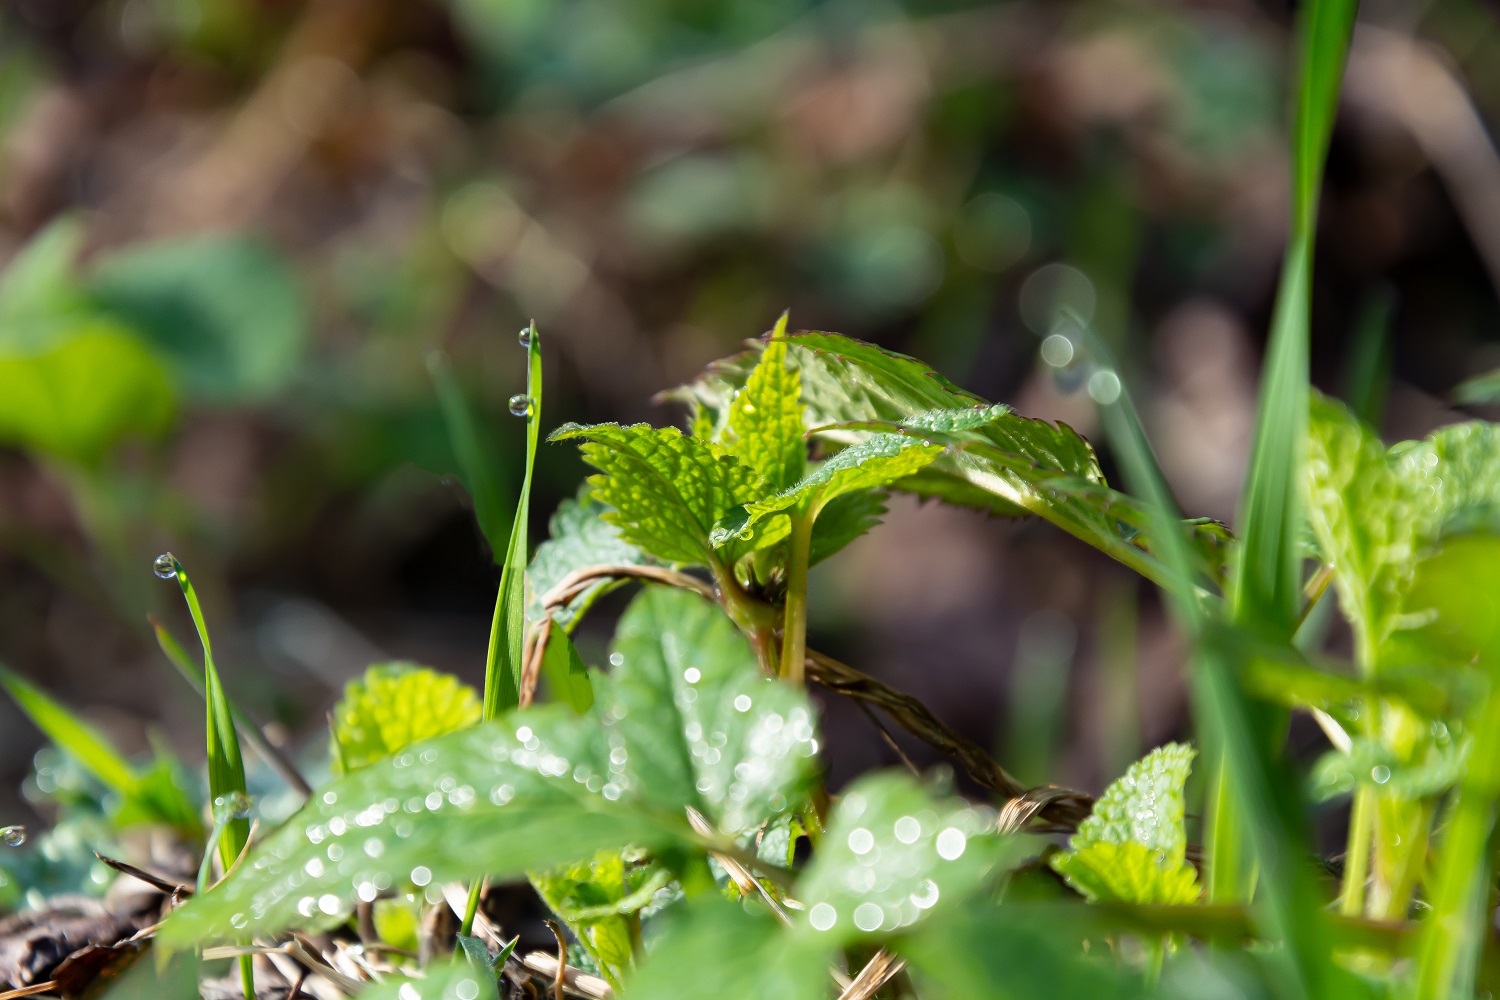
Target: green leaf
<point>1376,765</point>
<point>226,767</point>
<point>1132,848</point>
<point>580,537</point>
<point>460,979</point>
<point>715,948</point>
<point>1126,873</point>
<point>225,311</point>
<point>765,417</point>
<point>892,855</point>
<point>566,674</point>
<point>542,787</point>
<point>844,519</point>
<point>667,491</point>
<point>706,727</point>
<point>395,705</point>
<point>595,897</point>
<point>874,463</point>
<point>1479,390</point>
<point>1011,952</point>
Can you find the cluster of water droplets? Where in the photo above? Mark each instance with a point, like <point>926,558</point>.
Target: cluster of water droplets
<point>520,403</point>
<point>884,866</point>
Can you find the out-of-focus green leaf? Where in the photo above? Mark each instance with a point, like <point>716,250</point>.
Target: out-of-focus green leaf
<point>542,787</point>
<point>1372,763</point>
<point>1479,390</point>
<point>667,491</point>
<point>1004,952</point>
<point>476,461</point>
<point>80,390</point>
<point>461,979</point>
<point>1133,846</point>
<point>225,311</point>
<point>395,705</point>
<point>566,673</point>
<point>891,856</point>
<point>732,954</point>
<point>596,897</point>
<point>765,417</point>
<point>154,797</point>
<point>579,537</point>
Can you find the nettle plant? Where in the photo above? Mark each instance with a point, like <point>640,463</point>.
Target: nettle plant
<point>660,807</point>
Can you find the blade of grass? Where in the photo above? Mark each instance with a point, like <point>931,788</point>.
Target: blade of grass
<point>475,461</point>
<point>249,731</point>
<point>72,735</point>
<point>226,766</point>
<point>502,668</point>
<point>1264,786</point>
<point>1266,590</point>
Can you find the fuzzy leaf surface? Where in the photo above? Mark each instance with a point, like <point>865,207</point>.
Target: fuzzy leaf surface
<point>667,491</point>
<point>395,705</point>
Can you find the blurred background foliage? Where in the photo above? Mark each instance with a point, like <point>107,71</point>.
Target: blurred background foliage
<point>242,233</point>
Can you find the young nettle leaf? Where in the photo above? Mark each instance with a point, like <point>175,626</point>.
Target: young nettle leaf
<point>667,491</point>
<point>1374,512</point>
<point>579,537</point>
<point>395,705</point>
<point>1133,847</point>
<point>893,854</point>
<point>687,720</point>
<point>765,417</point>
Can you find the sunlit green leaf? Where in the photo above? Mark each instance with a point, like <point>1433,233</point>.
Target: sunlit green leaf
<point>394,705</point>
<point>1132,848</point>
<point>567,676</point>
<point>765,418</point>
<point>687,720</point>
<point>667,491</point>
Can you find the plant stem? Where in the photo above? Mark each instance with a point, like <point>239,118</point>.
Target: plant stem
<point>794,634</point>
<point>1357,853</point>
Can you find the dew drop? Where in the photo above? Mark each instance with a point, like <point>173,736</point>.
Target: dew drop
<point>742,703</point>
<point>164,567</point>
<point>235,805</point>
<point>524,337</point>
<point>908,829</point>
<point>868,917</point>
<point>12,836</point>
<point>1380,774</point>
<point>616,659</point>
<point>520,405</point>
<point>421,875</point>
<point>822,917</point>
<point>951,843</point>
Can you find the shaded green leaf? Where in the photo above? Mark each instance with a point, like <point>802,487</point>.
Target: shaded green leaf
<point>667,491</point>
<point>394,705</point>
<point>579,537</point>
<point>1478,390</point>
<point>475,458</point>
<point>567,675</point>
<point>225,311</point>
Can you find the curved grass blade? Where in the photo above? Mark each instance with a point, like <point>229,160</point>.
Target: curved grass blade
<point>226,766</point>
<point>502,668</point>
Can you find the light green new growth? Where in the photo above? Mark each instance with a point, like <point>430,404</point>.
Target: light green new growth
<point>667,490</point>
<point>394,705</point>
<point>765,428</point>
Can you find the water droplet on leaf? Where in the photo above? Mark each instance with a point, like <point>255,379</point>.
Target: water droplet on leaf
<point>164,566</point>
<point>524,337</point>
<point>12,836</point>
<point>520,405</point>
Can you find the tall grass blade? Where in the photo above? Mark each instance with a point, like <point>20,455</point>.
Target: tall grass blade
<point>72,735</point>
<point>1265,788</point>
<point>226,766</point>
<point>475,462</point>
<point>502,669</point>
<point>1266,589</point>
<point>249,731</point>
